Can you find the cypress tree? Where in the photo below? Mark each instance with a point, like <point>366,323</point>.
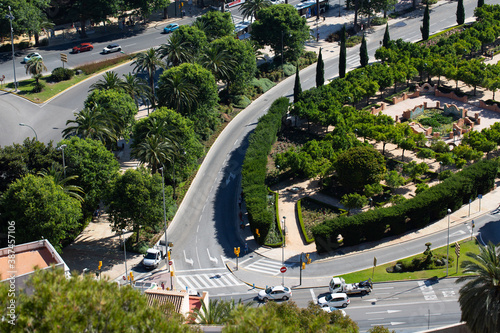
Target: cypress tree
<point>387,37</point>
<point>460,12</point>
<point>343,53</point>
<point>320,71</point>
<point>297,89</point>
<point>363,53</point>
<point>425,28</point>
<point>480,3</point>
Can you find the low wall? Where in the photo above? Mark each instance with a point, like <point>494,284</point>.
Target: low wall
<point>450,95</point>
<point>493,107</point>
<point>417,110</point>
<point>405,96</point>
<point>375,110</point>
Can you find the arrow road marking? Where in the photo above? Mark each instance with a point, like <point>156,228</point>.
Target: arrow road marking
<point>213,259</point>
<point>387,311</point>
<point>189,261</point>
<point>315,300</point>
<point>458,233</point>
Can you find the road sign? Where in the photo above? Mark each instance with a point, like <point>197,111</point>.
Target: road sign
<point>283,269</point>
<point>457,249</point>
<point>170,262</point>
<point>64,57</point>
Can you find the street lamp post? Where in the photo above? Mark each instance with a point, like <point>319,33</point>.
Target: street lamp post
<point>61,148</point>
<point>125,253</point>
<point>23,124</point>
<point>448,245</point>
<point>10,17</point>
<point>164,217</point>
<point>283,250</point>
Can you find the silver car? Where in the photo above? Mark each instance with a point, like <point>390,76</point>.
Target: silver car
<point>275,293</point>
<point>336,300</point>
<point>112,48</point>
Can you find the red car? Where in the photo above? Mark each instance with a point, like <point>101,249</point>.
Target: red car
<point>83,47</point>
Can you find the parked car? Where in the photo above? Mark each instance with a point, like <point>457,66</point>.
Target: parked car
<point>275,293</point>
<point>83,47</point>
<point>170,28</point>
<point>33,55</point>
<point>112,48</point>
<point>336,300</point>
<point>277,2</point>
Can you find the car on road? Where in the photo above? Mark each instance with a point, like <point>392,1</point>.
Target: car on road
<point>277,2</point>
<point>329,309</point>
<point>83,47</point>
<point>170,28</point>
<point>336,300</point>
<point>275,293</point>
<point>33,55</point>
<point>112,48</point>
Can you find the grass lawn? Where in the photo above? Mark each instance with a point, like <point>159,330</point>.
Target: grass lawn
<point>380,274</point>
<point>50,90</point>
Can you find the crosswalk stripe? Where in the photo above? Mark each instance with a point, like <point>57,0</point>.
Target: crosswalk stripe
<point>190,282</point>
<point>211,281</point>
<point>207,281</point>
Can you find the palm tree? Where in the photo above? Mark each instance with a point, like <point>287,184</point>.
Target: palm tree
<point>110,80</point>
<point>91,123</point>
<point>153,151</point>
<point>175,50</point>
<point>480,297</point>
<point>148,62</point>
<point>137,88</point>
<point>217,311</point>
<point>251,8</point>
<point>35,67</point>
<point>219,62</point>
<point>56,172</point>
<point>177,93</point>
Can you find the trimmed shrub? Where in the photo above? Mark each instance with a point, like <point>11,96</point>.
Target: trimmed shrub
<point>241,101</point>
<point>61,74</point>
<point>378,21</point>
<point>288,69</point>
<point>353,41</point>
<point>263,85</point>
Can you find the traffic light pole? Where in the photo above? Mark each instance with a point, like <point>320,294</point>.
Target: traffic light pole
<point>300,280</point>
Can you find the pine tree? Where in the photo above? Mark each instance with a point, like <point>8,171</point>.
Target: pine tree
<point>426,22</point>
<point>297,89</point>
<point>460,12</point>
<point>480,3</point>
<point>363,53</point>
<point>320,70</point>
<point>387,37</point>
<point>343,53</point>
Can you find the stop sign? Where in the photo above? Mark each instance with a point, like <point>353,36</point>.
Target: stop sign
<point>170,262</point>
<point>283,269</point>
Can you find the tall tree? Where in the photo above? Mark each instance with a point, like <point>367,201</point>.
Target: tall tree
<point>424,29</point>
<point>215,24</point>
<point>480,297</point>
<point>480,3</point>
<point>320,70</point>
<point>460,12</point>
<point>91,122</point>
<point>175,51</point>
<point>40,208</point>
<point>252,7</point>
<point>93,10</point>
<point>148,62</point>
<point>137,88</point>
<point>363,53</point>
<point>135,201</point>
<point>152,151</point>
<point>343,52</point>
<point>35,67</point>
<point>297,88</point>
<point>387,37</point>
<point>218,61</point>
<point>110,80</point>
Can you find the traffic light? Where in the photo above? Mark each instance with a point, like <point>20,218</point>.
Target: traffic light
<point>100,265</point>
<point>237,251</point>
<point>303,265</point>
<point>131,277</point>
<point>168,255</point>
<point>257,232</point>
<point>309,261</point>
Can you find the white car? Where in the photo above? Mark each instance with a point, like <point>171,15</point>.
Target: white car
<point>33,55</point>
<point>275,293</point>
<point>112,48</point>
<point>277,2</point>
<point>336,300</point>
<point>329,309</point>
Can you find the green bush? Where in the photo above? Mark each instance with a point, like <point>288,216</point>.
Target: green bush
<point>289,69</point>
<point>139,247</point>
<point>378,21</point>
<point>253,173</point>
<point>97,66</point>
<point>37,87</point>
<point>263,84</point>
<point>353,41</point>
<point>61,74</point>
<point>241,101</point>
<point>430,205</point>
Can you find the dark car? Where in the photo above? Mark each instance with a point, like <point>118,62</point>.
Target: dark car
<point>83,47</point>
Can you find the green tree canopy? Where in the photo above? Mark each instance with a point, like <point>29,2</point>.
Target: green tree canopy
<point>215,24</point>
<point>281,23</point>
<point>135,201</point>
<point>81,304</point>
<point>195,39</point>
<point>359,166</point>
<point>40,208</point>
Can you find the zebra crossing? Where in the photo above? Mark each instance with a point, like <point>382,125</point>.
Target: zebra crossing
<point>353,60</point>
<point>265,266</point>
<point>208,281</point>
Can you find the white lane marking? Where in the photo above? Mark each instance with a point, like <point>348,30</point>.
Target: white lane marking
<point>392,323</point>
<point>315,300</point>
<point>379,288</point>
<point>213,259</point>
<point>427,291</point>
<point>189,261</point>
<point>130,44</point>
<point>385,311</point>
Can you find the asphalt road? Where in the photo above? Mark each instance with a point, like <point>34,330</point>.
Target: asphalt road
<point>406,306</point>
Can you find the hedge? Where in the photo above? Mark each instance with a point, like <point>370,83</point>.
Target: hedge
<point>254,169</point>
<point>416,213</point>
<point>301,221</point>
